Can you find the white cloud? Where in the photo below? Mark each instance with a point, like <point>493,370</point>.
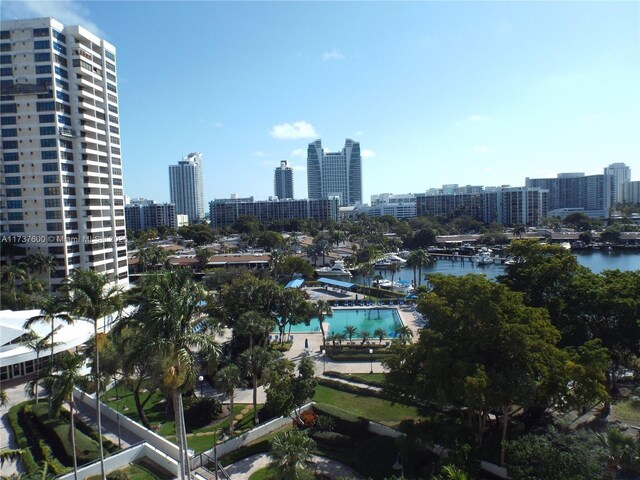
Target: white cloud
<point>286,131</point>
<point>367,153</point>
<point>481,149</point>
<point>332,55</point>
<point>477,118</point>
<point>298,152</point>
<point>68,12</point>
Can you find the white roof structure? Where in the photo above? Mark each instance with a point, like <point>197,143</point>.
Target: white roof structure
<point>12,351</point>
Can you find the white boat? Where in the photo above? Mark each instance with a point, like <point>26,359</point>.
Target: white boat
<point>483,257</point>
<point>337,270</point>
<point>403,287</point>
<point>566,245</point>
<point>385,283</point>
<point>389,259</point>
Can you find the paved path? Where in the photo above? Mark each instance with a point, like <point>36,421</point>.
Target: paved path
<point>15,394</point>
<point>242,470</point>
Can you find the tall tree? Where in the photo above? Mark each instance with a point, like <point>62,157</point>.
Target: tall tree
<point>38,345</point>
<point>229,379</point>
<point>321,310</point>
<point>350,331</point>
<point>60,382</point>
<point>92,298</point>
<point>484,350</point>
<point>255,362</point>
<point>172,313</point>
<point>51,309</point>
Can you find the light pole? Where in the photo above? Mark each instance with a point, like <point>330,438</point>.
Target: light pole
<point>201,379</point>
<point>324,361</point>
<point>371,359</point>
<point>118,417</point>
<point>398,465</point>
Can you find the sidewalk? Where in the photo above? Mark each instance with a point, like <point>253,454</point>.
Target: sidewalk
<point>243,469</point>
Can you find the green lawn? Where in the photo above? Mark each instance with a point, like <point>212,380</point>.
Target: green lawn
<point>375,409</point>
<point>264,473</point>
<point>140,471</point>
<point>199,439</point>
<point>628,410</point>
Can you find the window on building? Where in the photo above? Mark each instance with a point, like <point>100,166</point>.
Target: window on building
<point>59,48</point>
<point>6,72</point>
<point>8,120</point>
<point>54,227</point>
<point>11,156</point>
<point>47,130</point>
<point>13,168</point>
<point>47,118</point>
<point>61,71</point>
<point>5,47</point>
<point>51,202</point>
<point>42,56</point>
<point>8,108</point>
<point>14,216</point>
<point>9,132</point>
<point>5,59</point>
<point>41,45</point>
<point>49,155</point>
<point>50,179</point>
<point>45,106</point>
<point>14,192</point>
<point>16,227</point>
<point>14,204</point>
<point>40,32</point>
<point>9,144</point>
<point>12,180</point>
<point>42,69</point>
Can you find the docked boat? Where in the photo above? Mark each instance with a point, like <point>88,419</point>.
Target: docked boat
<point>338,270</point>
<point>483,257</point>
<point>389,259</point>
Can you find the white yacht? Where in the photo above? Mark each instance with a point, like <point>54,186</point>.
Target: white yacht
<point>389,259</point>
<point>483,257</point>
<point>338,270</point>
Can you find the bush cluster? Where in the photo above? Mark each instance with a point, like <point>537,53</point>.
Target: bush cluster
<point>344,421</point>
<point>55,432</point>
<point>331,439</point>
<point>16,419</point>
<point>199,412</point>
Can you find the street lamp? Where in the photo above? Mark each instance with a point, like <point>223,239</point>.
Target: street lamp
<point>398,465</point>
<point>324,360</point>
<point>371,359</point>
<point>118,408</point>
<point>201,379</point>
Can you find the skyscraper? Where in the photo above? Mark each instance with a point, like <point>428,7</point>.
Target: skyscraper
<point>335,174</point>
<point>621,175</point>
<point>185,182</point>
<point>61,161</point>
<point>283,181</point>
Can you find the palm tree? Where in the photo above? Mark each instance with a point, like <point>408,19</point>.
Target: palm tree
<point>365,336</point>
<point>252,324</point>
<point>41,262</point>
<point>451,472</point>
<point>12,274</point>
<point>366,271</point>
<point>91,298</point>
<point>414,261</point>
<point>620,448</point>
<point>144,257</point>
<point>332,337</point>
<point>393,268</point>
<point>423,259</point>
<point>291,455</point>
<point>229,378</point>
<point>322,309</point>
<point>350,331</point>
<point>60,382</point>
<point>380,333</point>
<point>341,337</point>
<point>403,333</point>
<point>38,345</point>
<point>51,309</point>
<point>519,229</point>
<point>171,315</point>
<point>255,361</point>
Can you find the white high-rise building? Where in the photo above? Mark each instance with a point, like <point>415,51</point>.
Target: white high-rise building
<point>185,182</point>
<point>61,191</point>
<point>621,176</point>
<point>336,174</point>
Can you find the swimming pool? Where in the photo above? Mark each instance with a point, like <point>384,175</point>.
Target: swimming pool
<point>369,319</point>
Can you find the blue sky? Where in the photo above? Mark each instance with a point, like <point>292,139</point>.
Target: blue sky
<point>481,93</point>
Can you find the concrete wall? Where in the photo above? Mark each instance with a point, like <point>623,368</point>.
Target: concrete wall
<point>252,435</point>
<point>125,457</point>
<point>126,423</point>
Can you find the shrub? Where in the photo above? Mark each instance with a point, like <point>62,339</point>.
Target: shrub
<point>344,376</point>
<point>118,475</point>
<point>199,412</point>
<point>350,388</point>
<point>344,421</point>
<point>16,414</point>
<point>308,418</point>
<point>325,423</point>
<point>331,439</point>
<point>56,433</point>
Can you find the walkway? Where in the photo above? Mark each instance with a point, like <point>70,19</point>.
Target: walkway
<point>242,469</point>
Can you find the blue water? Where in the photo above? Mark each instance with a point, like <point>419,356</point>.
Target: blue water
<point>595,260</point>
<point>369,319</point>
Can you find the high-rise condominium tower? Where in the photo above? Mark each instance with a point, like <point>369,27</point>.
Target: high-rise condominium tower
<point>621,176</point>
<point>185,181</point>
<point>283,181</point>
<point>61,191</point>
<point>335,174</point>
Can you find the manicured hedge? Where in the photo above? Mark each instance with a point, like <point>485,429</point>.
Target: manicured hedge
<point>331,439</point>
<point>16,416</point>
<point>345,422</point>
<point>56,432</point>
<point>344,376</point>
<point>350,388</point>
<point>108,445</point>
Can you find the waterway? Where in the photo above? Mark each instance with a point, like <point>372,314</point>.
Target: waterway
<point>596,261</point>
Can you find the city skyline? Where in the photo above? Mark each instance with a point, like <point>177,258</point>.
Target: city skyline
<point>461,93</point>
